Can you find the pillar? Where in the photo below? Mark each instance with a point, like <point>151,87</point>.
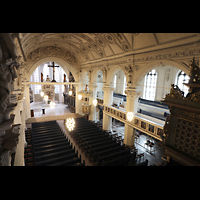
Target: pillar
<point>93,88</point>
<point>131,106</point>
<point>78,102</point>
<point>108,100</point>
<point>19,155</point>
<point>27,102</point>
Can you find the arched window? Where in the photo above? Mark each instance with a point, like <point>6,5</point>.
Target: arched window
<point>115,81</point>
<point>182,77</point>
<point>150,85</point>
<point>124,88</point>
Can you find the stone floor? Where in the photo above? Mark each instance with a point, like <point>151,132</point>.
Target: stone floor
<point>60,111</point>
<point>154,156</point>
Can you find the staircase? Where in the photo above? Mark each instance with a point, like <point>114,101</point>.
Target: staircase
<point>48,146</point>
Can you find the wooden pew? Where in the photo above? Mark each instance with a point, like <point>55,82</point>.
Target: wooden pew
<point>52,146</point>
<point>85,139</point>
<point>108,150</point>
<point>68,162</point>
<point>94,151</point>
<point>96,141</point>
<point>56,159</point>
<point>91,146</point>
<point>53,154</point>
<point>112,156</point>
<point>119,161</point>
<point>52,150</point>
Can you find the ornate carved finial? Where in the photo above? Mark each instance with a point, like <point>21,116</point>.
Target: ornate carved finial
<point>194,82</point>
<point>175,93</point>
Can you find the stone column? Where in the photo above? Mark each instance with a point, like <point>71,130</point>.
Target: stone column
<point>93,88</point>
<point>78,102</point>
<point>131,106</point>
<point>19,155</point>
<point>108,100</point>
<point>27,101</point>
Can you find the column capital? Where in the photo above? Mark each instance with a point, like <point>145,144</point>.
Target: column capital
<point>132,92</point>
<point>108,88</point>
<point>92,86</point>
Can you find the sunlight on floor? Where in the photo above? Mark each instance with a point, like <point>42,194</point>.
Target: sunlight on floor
<point>59,109</point>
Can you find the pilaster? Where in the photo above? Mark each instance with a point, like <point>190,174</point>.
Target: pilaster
<point>108,100</point>
<point>132,99</point>
<point>131,106</point>
<point>108,94</point>
<point>93,88</point>
<point>78,102</point>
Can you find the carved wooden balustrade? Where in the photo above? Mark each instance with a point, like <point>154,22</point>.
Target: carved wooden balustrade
<point>151,127</point>
<point>100,101</point>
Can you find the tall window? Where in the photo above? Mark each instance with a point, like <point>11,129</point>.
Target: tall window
<point>36,78</point>
<point>115,81</point>
<point>124,85</point>
<point>182,78</point>
<point>150,85</point>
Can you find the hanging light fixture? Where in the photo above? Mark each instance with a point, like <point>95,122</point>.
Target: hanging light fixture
<point>79,96</point>
<point>70,90</point>
<point>130,116</point>
<point>70,124</point>
<point>46,98</point>
<point>41,94</point>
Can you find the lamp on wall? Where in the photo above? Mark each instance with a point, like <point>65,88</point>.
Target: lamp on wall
<point>129,116</point>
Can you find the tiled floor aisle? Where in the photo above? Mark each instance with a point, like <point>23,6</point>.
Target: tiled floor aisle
<point>59,109</point>
<point>154,157</point>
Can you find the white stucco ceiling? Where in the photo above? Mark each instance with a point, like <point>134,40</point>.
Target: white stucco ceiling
<point>88,47</point>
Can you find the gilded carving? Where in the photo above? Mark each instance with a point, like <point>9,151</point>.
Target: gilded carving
<point>175,93</point>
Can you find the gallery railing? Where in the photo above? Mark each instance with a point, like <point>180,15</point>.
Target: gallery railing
<point>150,127</point>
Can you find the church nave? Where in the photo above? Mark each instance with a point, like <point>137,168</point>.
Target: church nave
<point>134,97</point>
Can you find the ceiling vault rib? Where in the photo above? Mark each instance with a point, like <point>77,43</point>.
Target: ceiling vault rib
<point>97,47</point>
<point>156,38</point>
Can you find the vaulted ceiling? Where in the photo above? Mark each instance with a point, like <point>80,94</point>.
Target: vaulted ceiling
<point>87,47</point>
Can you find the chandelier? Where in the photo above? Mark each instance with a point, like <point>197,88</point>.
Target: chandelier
<point>129,116</point>
<point>85,93</point>
<point>70,124</point>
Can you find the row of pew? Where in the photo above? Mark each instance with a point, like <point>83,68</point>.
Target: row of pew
<point>103,149</point>
<point>48,146</point>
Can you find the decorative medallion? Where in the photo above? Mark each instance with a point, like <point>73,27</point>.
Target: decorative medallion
<point>109,38</point>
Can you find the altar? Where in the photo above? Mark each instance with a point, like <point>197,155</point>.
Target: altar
<point>48,91</point>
